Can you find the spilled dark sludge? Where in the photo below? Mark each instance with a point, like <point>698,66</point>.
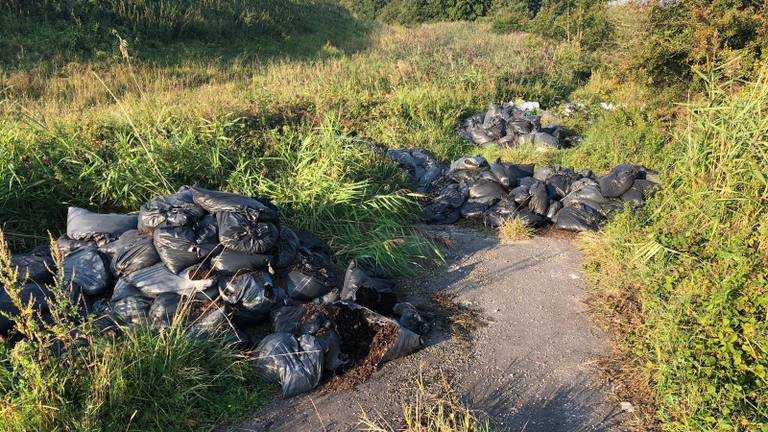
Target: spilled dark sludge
<point>228,263</point>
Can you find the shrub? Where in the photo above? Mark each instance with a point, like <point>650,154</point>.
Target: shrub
<point>584,22</point>
<point>702,34</point>
<point>698,255</point>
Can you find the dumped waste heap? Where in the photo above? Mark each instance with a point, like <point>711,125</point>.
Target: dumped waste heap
<point>511,125</point>
<point>226,265</point>
<point>473,188</point>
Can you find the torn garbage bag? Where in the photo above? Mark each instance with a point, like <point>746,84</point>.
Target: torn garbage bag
<point>374,293</point>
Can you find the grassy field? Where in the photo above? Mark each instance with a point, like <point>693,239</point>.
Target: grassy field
<point>281,98</point>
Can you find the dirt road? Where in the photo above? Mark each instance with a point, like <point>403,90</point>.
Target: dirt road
<point>529,368</point>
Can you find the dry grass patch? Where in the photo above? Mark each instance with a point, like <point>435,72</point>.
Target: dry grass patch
<point>435,408</point>
<point>515,229</point>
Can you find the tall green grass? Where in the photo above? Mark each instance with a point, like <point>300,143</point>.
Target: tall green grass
<point>694,264</point>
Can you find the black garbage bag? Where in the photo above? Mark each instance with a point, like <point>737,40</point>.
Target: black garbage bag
<point>178,209</point>
<point>474,163</point>
<point>290,319</point>
<point>360,328</point>
<point>553,210</point>
<point>184,246</point>
<point>35,266</point>
<point>297,364</point>
<point>243,232</point>
<point>157,279</point>
<point>374,293</point>
<point>589,194</point>
<point>545,140</point>
<point>216,201</point>
<point>132,310</point>
<point>310,277</point>
<point>544,173</point>
<point>527,181</point>
<point>558,185</point>
<point>333,359</point>
<point>312,320</point>
<point>579,217</point>
<point>531,219</point>
<point>501,174</point>
<point>494,218</point>
<point>518,171</point>
<point>439,214</point>
<point>288,244</point>
<point>539,202</point>
<point>85,269</point>
<point>444,209</point>
<point>639,192</point>
<point>422,166</point>
<point>477,134</point>
<point>519,126</point>
<point>311,242</point>
<point>123,290</point>
<point>230,262</point>
<point>409,317</point>
<point>101,228</point>
<point>130,252</point>
<point>486,191</point>
<point>209,320</point>
<point>619,180</point>
<point>163,310</point>
<point>473,209</point>
<point>494,122</point>
<point>66,245</point>
<point>37,295</point>
<point>521,195</point>
<point>252,296</point>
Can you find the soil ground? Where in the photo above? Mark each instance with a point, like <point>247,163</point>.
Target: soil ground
<point>516,344</point>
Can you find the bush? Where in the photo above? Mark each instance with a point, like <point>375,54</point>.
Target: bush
<point>728,34</point>
<point>580,21</point>
<point>419,11</point>
<point>698,257</point>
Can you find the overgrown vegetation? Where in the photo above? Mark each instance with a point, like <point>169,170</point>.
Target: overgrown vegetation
<point>695,262</point>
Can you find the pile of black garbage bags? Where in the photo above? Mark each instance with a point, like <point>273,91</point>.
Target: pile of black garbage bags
<point>232,266</point>
<point>510,126</point>
<point>473,188</point>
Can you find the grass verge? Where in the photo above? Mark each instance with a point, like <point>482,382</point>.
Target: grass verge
<point>685,279</point>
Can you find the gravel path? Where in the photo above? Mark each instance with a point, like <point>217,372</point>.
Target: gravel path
<point>529,368</point>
